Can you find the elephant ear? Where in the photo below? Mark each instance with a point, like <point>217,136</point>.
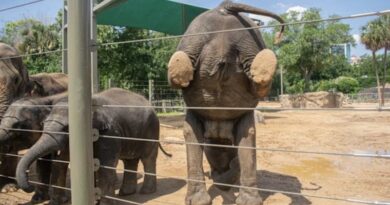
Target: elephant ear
<point>34,88</point>
<point>101,121</point>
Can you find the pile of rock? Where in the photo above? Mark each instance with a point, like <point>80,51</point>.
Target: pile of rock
<point>312,100</point>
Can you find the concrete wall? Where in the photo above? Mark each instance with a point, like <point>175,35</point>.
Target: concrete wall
<point>312,100</point>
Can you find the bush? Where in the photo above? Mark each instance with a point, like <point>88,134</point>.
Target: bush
<point>347,84</point>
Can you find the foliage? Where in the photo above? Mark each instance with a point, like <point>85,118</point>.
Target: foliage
<point>305,48</point>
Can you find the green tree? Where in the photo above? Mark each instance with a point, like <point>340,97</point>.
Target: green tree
<point>375,36</point>
<point>305,48</point>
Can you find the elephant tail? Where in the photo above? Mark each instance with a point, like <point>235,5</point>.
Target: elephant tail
<point>165,152</point>
<point>237,7</point>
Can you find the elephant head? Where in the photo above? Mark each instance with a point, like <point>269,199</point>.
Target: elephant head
<point>28,114</point>
<point>51,140</point>
<point>13,76</point>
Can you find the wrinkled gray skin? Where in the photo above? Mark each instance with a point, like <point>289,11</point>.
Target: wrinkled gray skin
<point>15,81</point>
<point>22,114</point>
<point>13,76</point>
<point>222,66</point>
<point>126,122</point>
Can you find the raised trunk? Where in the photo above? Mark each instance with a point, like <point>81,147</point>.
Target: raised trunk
<point>45,145</point>
<point>378,84</point>
<point>384,76</point>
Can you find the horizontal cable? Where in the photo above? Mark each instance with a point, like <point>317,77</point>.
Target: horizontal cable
<point>259,108</point>
<point>33,54</point>
<point>41,159</point>
<point>384,12</point>
<point>39,183</point>
<point>35,131</point>
<point>377,13</point>
<point>253,188</point>
<point>20,5</point>
<point>121,200</point>
<point>369,155</point>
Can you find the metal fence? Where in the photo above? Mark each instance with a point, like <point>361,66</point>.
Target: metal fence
<point>80,109</point>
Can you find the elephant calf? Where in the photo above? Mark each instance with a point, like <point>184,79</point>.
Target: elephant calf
<point>127,122</point>
<point>26,113</point>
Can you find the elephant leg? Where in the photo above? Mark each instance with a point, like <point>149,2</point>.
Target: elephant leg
<point>196,191</point>
<point>262,71</point>
<point>129,183</point>
<point>180,70</point>
<point>43,169</point>
<point>7,168</point>
<point>246,137</point>
<point>58,178</point>
<point>224,165</point>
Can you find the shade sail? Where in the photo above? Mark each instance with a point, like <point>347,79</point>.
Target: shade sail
<point>157,15</point>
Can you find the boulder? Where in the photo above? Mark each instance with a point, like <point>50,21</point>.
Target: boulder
<point>320,99</point>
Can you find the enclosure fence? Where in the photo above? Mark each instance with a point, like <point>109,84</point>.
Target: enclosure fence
<point>84,165</point>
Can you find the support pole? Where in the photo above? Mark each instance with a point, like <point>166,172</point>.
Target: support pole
<point>150,91</point>
<point>64,38</point>
<point>281,80</point>
<point>80,123</point>
<point>94,54</point>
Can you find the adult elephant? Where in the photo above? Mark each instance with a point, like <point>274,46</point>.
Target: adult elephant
<point>15,81</point>
<point>13,76</point>
<point>222,69</point>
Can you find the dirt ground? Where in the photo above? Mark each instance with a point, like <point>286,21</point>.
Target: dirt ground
<point>355,178</point>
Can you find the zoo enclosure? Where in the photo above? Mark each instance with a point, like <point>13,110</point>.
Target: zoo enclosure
<point>82,57</point>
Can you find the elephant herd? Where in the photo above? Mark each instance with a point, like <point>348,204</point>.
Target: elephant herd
<point>228,70</point>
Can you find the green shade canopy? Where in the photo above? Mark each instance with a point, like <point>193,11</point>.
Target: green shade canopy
<point>157,15</point>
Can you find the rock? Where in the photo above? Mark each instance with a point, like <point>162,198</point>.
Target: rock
<point>312,100</point>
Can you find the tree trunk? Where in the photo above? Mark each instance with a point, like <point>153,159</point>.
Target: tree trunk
<point>307,80</point>
<point>377,79</point>
<point>384,75</point>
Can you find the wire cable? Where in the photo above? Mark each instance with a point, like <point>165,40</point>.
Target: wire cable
<point>39,183</point>
<point>20,5</point>
<point>368,155</point>
<point>41,159</point>
<point>358,201</point>
<point>377,13</point>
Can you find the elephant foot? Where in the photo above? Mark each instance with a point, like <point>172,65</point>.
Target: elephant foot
<point>39,197</point>
<point>198,198</point>
<point>180,70</point>
<point>127,190</point>
<point>9,188</point>
<point>262,70</point>
<point>249,197</point>
<point>148,188</point>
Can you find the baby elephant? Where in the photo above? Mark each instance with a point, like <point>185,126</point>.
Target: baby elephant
<point>26,113</point>
<point>132,122</point>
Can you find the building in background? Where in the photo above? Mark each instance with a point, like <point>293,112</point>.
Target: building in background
<point>342,49</point>
<point>354,60</point>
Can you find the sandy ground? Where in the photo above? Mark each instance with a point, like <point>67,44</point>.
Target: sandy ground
<point>308,174</point>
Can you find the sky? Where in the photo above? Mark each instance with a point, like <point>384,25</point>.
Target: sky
<point>47,10</point>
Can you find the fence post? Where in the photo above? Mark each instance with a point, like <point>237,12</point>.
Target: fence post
<point>80,111</point>
<point>64,38</point>
<point>150,91</point>
<point>94,52</point>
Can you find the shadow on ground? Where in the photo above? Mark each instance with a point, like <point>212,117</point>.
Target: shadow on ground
<point>267,180</point>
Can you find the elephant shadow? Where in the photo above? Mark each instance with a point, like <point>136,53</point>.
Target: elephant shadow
<point>165,186</point>
<point>268,181</point>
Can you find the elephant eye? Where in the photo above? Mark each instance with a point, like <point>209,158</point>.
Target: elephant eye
<point>16,80</point>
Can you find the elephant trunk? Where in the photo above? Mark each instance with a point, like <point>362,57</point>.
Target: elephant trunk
<point>237,7</point>
<point>45,145</point>
<point>4,135</point>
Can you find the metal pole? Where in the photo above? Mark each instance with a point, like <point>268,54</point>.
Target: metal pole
<point>281,79</point>
<point>150,91</point>
<point>64,38</point>
<point>94,55</point>
<point>80,123</point>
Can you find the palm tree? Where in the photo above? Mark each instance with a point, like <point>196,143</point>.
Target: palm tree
<point>385,25</point>
<point>372,38</point>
